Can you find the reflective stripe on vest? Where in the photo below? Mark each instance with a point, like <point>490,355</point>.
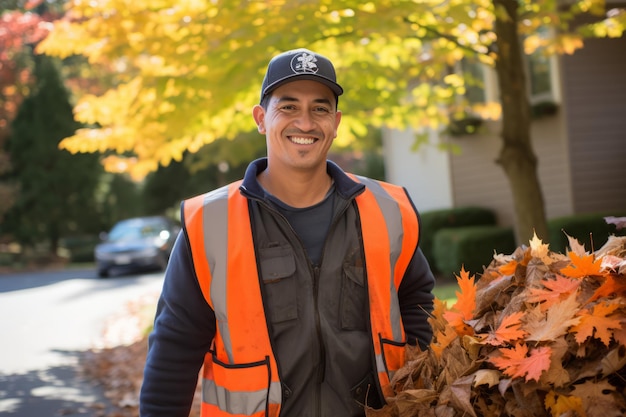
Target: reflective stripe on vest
<point>390,235</point>
<point>242,379</point>
<point>241,375</point>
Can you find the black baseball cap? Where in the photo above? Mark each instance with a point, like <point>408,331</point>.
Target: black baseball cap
<point>299,64</point>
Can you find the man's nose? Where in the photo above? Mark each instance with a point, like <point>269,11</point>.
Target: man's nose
<point>305,122</point>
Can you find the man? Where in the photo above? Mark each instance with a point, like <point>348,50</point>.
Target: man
<point>296,288</point>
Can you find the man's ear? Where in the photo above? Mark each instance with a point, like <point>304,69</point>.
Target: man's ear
<point>258,113</point>
<point>337,121</point>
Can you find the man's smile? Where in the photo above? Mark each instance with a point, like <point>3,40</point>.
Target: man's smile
<point>300,140</point>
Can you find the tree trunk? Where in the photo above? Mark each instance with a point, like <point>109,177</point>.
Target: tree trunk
<point>517,157</point>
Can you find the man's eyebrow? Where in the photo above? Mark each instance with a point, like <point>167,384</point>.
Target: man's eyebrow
<point>320,100</point>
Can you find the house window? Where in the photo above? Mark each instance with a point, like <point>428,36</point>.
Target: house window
<point>474,74</point>
<point>541,73</point>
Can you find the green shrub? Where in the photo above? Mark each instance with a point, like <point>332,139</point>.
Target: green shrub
<point>583,227</point>
<point>471,247</point>
<point>79,248</point>
<point>435,220</point>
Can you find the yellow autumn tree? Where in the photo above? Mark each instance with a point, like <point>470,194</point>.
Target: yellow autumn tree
<point>189,71</point>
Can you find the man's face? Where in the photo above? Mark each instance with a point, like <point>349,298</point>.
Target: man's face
<point>300,124</point>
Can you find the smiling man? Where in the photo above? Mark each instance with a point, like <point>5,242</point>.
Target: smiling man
<point>297,288</point>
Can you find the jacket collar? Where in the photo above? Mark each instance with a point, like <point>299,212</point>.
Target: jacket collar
<point>345,186</point>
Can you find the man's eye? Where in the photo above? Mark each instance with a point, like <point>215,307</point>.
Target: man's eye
<point>322,109</point>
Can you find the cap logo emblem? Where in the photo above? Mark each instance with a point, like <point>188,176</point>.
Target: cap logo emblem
<point>304,63</point>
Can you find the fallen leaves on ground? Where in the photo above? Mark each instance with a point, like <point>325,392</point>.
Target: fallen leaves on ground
<point>118,361</point>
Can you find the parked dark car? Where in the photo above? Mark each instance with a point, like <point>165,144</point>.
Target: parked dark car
<point>141,243</point>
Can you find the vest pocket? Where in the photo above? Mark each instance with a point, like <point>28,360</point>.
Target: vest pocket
<point>278,268</point>
<point>239,389</point>
<point>353,298</point>
<point>393,355</point>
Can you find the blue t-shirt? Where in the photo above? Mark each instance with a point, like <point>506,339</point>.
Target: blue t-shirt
<point>310,223</point>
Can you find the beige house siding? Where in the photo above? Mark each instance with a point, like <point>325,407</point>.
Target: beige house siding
<point>594,86</point>
<point>478,180</point>
<point>551,147</point>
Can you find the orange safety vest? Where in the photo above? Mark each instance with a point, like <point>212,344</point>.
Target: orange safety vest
<point>240,375</point>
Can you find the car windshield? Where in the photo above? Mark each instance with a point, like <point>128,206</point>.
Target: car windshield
<point>131,230</point>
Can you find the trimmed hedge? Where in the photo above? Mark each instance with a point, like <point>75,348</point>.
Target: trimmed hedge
<point>435,220</point>
<point>471,247</point>
<point>80,248</point>
<point>583,227</point>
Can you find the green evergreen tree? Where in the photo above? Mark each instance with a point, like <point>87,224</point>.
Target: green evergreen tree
<point>118,198</point>
<point>57,189</point>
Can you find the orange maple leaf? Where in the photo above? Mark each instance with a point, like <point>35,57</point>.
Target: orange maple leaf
<point>612,285</point>
<point>465,304</point>
<point>620,334</point>
<point>518,361</point>
<point>582,266</point>
<point>442,340</point>
<point>508,330</point>
<point>554,291</point>
<point>509,268</point>
<point>599,319</point>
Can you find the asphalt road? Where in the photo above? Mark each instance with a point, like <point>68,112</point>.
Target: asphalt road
<point>47,321</point>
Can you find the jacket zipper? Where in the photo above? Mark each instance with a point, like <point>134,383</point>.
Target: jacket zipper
<point>315,271</point>
<point>321,369</point>
<point>321,372</point>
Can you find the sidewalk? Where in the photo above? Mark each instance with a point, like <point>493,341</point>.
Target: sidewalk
<point>57,391</point>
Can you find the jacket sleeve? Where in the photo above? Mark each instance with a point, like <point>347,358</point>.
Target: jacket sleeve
<point>184,328</point>
<point>416,300</point>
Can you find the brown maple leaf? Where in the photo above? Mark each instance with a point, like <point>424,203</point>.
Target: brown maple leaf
<point>557,375</point>
<point>540,250</point>
<point>554,323</point>
<point>575,246</point>
<point>614,361</point>
<point>599,399</point>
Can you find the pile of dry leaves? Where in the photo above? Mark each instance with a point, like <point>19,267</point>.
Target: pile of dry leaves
<point>539,334</point>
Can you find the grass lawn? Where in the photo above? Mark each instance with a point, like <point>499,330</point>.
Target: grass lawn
<point>445,290</point>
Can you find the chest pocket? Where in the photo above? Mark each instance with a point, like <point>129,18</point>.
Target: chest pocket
<point>278,268</point>
<point>353,299</point>
<point>354,312</point>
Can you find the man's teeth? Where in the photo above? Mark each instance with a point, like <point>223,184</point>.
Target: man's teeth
<point>302,141</point>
